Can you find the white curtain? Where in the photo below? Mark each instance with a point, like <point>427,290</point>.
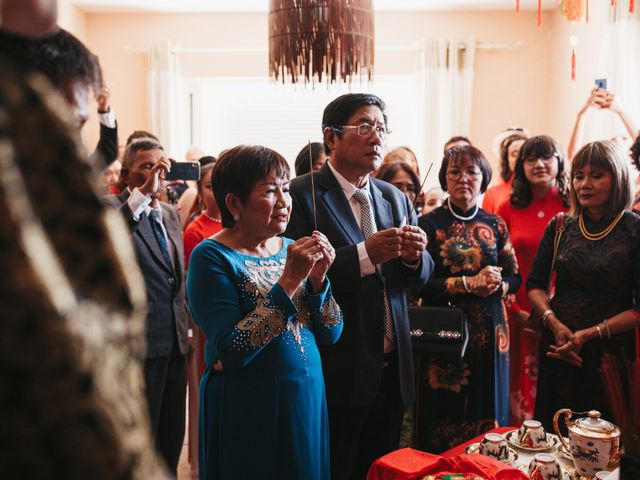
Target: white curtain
<point>619,64</point>
<point>169,120</point>
<point>445,71</point>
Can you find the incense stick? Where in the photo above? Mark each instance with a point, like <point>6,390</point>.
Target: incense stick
<point>415,200</point>
<point>313,189</point>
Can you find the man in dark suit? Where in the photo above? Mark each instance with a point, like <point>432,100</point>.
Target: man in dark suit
<point>379,253</point>
<point>157,238</point>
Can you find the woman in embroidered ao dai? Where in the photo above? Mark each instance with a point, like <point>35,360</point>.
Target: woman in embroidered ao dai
<point>540,191</point>
<point>263,302</point>
<point>475,266</point>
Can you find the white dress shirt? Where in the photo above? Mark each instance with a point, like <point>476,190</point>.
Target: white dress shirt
<point>366,266</point>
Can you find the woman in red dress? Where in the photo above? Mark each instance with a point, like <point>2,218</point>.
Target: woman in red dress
<point>540,191</point>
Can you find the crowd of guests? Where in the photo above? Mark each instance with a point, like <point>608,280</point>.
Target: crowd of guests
<point>297,289</point>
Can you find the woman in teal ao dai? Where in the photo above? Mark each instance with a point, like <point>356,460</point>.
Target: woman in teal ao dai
<point>264,303</point>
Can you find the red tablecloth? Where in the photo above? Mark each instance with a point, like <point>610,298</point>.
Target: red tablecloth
<point>409,464</point>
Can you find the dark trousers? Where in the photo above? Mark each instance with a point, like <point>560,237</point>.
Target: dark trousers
<point>360,435</point>
<point>166,383</point>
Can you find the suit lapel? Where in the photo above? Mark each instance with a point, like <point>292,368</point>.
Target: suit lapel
<point>175,236</point>
<point>148,237</point>
<point>337,204</point>
<point>381,208</point>
<point>145,233</point>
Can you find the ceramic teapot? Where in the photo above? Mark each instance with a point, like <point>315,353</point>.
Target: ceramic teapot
<point>594,443</point>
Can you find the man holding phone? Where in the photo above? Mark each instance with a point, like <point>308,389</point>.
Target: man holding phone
<point>157,238</point>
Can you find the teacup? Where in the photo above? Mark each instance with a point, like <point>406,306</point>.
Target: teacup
<point>494,445</point>
<point>531,434</point>
<point>544,466</point>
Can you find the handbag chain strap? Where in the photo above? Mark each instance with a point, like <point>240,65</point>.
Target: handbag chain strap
<point>556,244</point>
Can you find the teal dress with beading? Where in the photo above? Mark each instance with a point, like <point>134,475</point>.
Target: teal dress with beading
<point>265,416</point>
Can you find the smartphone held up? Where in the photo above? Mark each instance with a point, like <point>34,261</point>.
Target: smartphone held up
<point>183,171</point>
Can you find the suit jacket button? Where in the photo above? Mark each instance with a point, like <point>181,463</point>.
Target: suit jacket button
<point>171,280</point>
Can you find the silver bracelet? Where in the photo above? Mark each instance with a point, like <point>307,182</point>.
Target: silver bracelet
<point>599,332</point>
<point>464,283</point>
<point>606,328</point>
<point>546,314</point>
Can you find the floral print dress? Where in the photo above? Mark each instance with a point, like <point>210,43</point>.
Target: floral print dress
<point>459,398</point>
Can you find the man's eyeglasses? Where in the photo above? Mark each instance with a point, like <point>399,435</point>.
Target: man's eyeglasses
<point>546,159</point>
<point>366,130</point>
<point>455,174</point>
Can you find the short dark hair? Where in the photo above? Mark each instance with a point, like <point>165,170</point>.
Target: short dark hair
<point>457,138</point>
<point>339,111</point>
<point>611,158</point>
<point>459,154</point>
<point>389,170</point>
<point>239,169</point>
<point>635,152</point>
<point>540,146</point>
<point>505,170</point>
<point>137,134</point>
<point>140,145</point>
<point>301,165</point>
<point>60,57</point>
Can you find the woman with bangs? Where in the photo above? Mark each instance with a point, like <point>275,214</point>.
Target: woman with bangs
<point>597,277</point>
<point>475,267</point>
<point>540,191</point>
<point>264,303</point>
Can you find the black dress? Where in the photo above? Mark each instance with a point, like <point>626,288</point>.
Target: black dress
<point>463,397</point>
<point>595,280</point>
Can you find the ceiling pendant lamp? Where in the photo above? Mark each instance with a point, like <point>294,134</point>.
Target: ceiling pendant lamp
<point>321,40</point>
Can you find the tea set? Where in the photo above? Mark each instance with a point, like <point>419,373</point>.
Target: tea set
<point>593,447</point>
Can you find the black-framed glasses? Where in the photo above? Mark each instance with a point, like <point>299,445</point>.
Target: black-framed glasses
<point>366,129</point>
<point>546,159</point>
<point>455,174</point>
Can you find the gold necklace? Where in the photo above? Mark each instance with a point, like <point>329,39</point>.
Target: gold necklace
<point>602,234</point>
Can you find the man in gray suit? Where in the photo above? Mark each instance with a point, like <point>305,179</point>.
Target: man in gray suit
<point>157,237</point>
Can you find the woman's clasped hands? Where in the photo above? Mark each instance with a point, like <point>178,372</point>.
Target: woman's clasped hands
<point>568,344</point>
<point>486,282</point>
<point>307,258</point>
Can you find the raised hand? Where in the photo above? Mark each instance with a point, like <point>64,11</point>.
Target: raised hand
<point>302,256</point>
<point>320,269</point>
<point>384,245</point>
<point>414,241</point>
<point>153,183</point>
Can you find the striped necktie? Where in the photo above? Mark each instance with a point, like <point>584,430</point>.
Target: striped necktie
<point>366,225</point>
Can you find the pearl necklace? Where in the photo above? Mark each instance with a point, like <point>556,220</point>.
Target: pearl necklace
<point>213,219</point>
<point>460,217</point>
<point>600,235</point>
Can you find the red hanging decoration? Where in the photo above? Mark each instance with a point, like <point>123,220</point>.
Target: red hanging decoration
<point>573,64</point>
<point>518,7</point>
<point>539,13</point>
<point>632,6</point>
<point>587,11</point>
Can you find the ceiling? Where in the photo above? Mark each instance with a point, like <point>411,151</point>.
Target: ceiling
<point>171,6</point>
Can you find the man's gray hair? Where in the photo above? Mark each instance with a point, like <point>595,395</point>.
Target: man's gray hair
<point>138,145</point>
